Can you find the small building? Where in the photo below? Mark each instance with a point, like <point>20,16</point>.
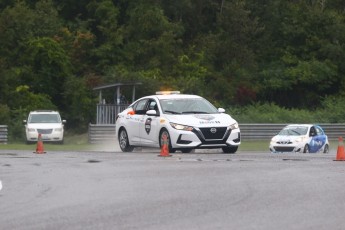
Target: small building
<point>107,112</point>
<point>104,129</point>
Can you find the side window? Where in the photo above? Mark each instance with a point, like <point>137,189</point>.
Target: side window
<point>140,107</point>
<point>153,105</point>
<point>312,131</point>
<point>319,131</point>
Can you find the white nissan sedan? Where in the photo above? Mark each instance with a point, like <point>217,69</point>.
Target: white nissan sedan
<point>187,121</point>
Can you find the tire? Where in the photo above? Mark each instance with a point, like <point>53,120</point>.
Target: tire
<point>186,150</point>
<point>326,149</point>
<point>306,149</point>
<point>124,142</point>
<point>161,134</point>
<point>230,149</point>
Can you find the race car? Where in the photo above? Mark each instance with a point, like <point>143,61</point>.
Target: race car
<point>306,138</point>
<point>185,122</point>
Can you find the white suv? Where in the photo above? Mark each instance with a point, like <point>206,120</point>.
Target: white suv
<point>48,123</point>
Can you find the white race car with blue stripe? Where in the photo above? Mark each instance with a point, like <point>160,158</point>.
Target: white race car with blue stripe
<point>306,138</point>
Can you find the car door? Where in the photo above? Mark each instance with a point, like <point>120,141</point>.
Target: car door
<point>134,121</point>
<point>150,126</point>
<point>317,139</point>
<point>321,137</point>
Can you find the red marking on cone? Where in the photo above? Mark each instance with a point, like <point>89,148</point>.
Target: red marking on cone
<point>340,151</point>
<point>165,147</point>
<point>39,147</point>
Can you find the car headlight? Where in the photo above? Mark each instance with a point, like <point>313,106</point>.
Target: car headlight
<point>273,140</point>
<point>31,130</point>
<point>181,127</point>
<point>58,129</point>
<point>234,126</point>
<point>300,139</point>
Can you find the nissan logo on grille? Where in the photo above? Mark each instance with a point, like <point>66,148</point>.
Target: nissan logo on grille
<point>213,130</point>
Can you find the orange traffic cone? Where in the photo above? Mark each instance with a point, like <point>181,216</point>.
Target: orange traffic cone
<point>340,151</point>
<point>39,147</point>
<point>165,148</point>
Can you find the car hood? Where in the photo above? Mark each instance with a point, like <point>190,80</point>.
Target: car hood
<point>202,120</point>
<point>285,138</point>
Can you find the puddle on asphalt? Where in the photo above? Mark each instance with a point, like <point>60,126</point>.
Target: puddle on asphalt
<point>294,159</point>
<point>93,161</point>
<point>8,154</point>
<point>211,160</point>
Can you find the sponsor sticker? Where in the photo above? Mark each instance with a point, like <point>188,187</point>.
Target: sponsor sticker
<point>204,117</point>
<point>209,122</point>
<point>148,125</point>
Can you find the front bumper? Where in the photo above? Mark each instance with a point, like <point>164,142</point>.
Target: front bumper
<point>280,148</point>
<point>52,137</point>
<point>203,138</point>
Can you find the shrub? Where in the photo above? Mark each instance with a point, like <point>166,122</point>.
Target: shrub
<point>5,117</point>
<point>332,112</point>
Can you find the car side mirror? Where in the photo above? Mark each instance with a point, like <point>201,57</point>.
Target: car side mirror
<point>221,110</point>
<point>64,121</point>
<point>151,113</point>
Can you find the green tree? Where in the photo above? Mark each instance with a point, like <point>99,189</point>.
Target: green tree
<point>24,100</point>
<point>150,39</point>
<point>189,74</point>
<point>104,24</point>
<point>16,26</point>
<point>300,55</point>
<point>80,109</point>
<point>230,54</point>
<point>46,68</point>
<point>21,27</point>
<point>5,116</point>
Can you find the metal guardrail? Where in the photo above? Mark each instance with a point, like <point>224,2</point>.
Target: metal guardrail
<point>3,134</point>
<point>101,133</point>
<point>334,131</point>
<point>267,131</point>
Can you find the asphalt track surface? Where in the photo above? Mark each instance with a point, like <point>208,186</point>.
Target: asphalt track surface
<point>141,190</point>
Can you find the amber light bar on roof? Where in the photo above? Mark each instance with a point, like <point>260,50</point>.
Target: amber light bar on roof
<point>167,92</point>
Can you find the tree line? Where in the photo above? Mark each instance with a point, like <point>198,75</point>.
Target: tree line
<point>289,53</point>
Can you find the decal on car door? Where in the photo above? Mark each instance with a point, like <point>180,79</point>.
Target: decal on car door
<point>148,125</point>
<point>316,144</point>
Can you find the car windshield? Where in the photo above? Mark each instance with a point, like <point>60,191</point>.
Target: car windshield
<point>187,106</point>
<point>44,118</point>
<point>294,131</point>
